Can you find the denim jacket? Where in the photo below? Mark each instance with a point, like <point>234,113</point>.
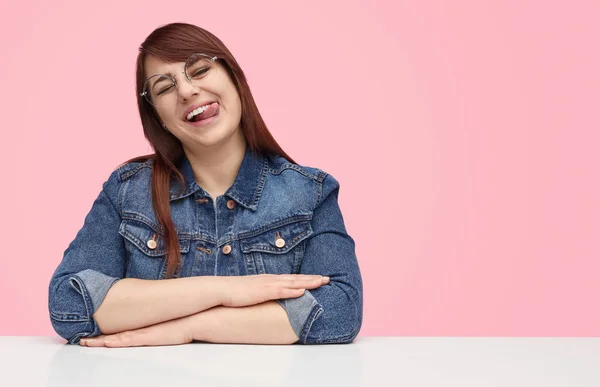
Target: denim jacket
<point>276,218</point>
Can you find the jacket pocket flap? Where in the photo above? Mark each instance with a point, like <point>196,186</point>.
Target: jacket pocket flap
<point>277,240</point>
<point>145,238</point>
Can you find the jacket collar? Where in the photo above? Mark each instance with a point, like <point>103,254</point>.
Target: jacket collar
<point>247,186</point>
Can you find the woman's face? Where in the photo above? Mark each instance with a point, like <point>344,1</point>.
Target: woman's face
<point>217,88</point>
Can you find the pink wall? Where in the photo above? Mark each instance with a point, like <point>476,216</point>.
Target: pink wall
<point>464,135</point>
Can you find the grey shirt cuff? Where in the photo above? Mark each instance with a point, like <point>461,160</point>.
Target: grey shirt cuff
<point>95,283</point>
<point>299,310</point>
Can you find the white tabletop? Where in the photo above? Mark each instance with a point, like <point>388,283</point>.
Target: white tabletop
<point>369,361</point>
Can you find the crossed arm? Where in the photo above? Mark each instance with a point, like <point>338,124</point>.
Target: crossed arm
<point>169,312</point>
<point>265,323</point>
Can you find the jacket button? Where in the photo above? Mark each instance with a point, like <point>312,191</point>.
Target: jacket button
<point>230,204</point>
<point>151,244</point>
<point>226,249</point>
<point>279,242</point>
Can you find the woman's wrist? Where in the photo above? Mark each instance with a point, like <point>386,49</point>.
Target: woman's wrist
<point>265,323</point>
<point>199,325</point>
<point>210,290</point>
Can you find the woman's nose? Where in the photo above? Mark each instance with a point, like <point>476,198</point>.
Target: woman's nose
<point>185,89</point>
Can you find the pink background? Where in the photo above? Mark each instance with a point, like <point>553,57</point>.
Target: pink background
<point>464,134</point>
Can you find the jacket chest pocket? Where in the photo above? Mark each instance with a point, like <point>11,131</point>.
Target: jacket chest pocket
<point>278,250</point>
<point>146,248</point>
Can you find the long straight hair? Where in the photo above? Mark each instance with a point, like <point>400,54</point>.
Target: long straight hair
<point>173,43</point>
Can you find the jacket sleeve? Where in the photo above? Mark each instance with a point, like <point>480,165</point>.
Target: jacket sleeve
<point>91,264</point>
<point>331,313</point>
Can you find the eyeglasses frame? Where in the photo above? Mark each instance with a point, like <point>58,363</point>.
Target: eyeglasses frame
<point>143,94</point>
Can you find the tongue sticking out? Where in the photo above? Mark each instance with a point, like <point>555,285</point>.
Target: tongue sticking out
<point>212,110</point>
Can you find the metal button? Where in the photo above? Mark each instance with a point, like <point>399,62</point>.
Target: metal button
<point>279,242</point>
<point>226,249</point>
<point>230,204</point>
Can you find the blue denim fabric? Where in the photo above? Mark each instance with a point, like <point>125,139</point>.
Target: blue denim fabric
<point>273,198</point>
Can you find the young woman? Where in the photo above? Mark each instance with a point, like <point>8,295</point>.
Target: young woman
<point>217,236</point>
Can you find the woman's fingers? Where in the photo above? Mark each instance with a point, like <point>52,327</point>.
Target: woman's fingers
<point>290,277</point>
<point>291,293</point>
<point>295,286</point>
<point>307,283</point>
<point>255,289</point>
<point>97,341</point>
<point>173,332</point>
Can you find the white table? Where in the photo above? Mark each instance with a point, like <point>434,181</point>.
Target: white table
<point>369,361</point>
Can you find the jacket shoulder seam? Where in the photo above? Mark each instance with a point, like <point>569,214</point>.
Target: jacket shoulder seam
<point>128,170</point>
<point>319,176</point>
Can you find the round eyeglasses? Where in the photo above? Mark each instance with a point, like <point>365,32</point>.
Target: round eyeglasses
<point>199,70</point>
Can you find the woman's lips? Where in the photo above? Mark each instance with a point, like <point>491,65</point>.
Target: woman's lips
<point>210,111</point>
<point>196,106</point>
<point>210,115</point>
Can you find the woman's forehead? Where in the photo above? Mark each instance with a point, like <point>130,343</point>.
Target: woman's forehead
<point>154,65</point>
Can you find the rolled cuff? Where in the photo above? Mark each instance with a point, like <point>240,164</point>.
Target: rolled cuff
<point>95,284</point>
<point>93,287</point>
<point>302,313</point>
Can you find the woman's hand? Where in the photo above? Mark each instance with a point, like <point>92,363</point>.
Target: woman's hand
<point>256,289</point>
<point>173,332</point>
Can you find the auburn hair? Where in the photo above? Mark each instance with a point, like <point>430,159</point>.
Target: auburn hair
<point>173,43</point>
